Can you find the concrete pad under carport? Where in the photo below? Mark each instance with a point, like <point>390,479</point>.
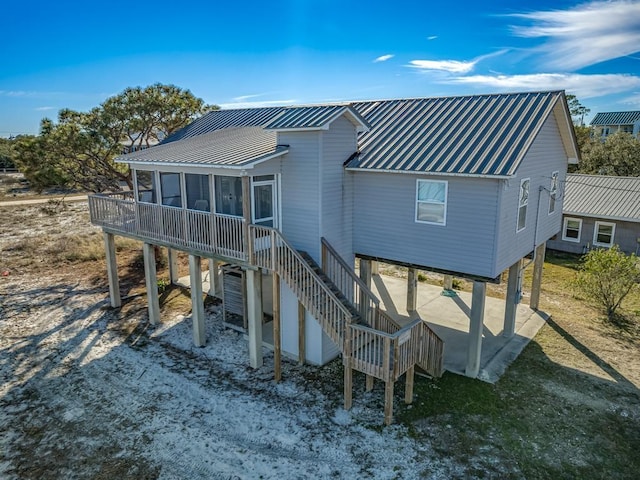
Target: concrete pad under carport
<point>448,316</point>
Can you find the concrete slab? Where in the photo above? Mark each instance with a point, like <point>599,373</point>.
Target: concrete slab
<point>448,316</point>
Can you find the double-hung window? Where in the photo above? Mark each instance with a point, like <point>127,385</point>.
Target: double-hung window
<point>603,234</point>
<point>572,229</point>
<point>523,202</point>
<point>431,202</point>
<point>553,192</point>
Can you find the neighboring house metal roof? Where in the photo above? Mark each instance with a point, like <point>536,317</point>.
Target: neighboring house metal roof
<point>616,118</point>
<point>231,147</point>
<point>600,196</point>
<point>473,135</point>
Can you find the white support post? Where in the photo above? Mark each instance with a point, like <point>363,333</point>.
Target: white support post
<point>447,282</point>
<point>197,303</point>
<point>174,274</point>
<point>112,270</point>
<point>254,314</point>
<point>536,284</point>
<point>512,300</point>
<point>475,329</point>
<point>215,285</point>
<point>151,280</point>
<point>412,290</point>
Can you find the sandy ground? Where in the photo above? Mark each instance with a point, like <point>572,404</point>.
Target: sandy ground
<point>89,392</point>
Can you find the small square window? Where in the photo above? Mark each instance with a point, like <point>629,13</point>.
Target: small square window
<point>603,234</point>
<point>572,229</point>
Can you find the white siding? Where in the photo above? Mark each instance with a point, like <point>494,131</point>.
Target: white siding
<point>385,226</point>
<point>301,191</point>
<point>546,155</point>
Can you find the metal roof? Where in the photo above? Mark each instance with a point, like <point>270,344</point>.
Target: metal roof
<point>616,118</point>
<point>231,147</point>
<point>312,117</point>
<point>607,197</point>
<point>221,119</point>
<point>471,135</point>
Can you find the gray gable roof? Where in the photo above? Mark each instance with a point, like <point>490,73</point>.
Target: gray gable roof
<point>484,135</point>
<point>606,197</point>
<point>616,118</point>
<point>473,135</point>
<point>229,147</point>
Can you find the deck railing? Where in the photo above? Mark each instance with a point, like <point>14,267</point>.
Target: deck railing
<point>192,229</point>
<point>385,355</point>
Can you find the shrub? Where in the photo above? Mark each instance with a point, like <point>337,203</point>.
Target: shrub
<point>607,276</point>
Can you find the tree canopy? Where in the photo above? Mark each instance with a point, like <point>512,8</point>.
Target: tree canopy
<point>577,110</point>
<point>618,155</point>
<point>79,149</point>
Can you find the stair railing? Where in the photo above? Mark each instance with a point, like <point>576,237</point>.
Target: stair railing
<point>355,290</point>
<point>272,251</point>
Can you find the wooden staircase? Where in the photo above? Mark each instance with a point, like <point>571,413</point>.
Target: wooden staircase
<point>371,342</point>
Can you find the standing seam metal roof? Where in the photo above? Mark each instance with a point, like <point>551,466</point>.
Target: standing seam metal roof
<point>616,118</point>
<point>236,146</point>
<point>470,135</point>
<point>476,135</point>
<point>602,196</point>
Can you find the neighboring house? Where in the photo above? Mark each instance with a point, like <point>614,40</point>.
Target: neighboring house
<point>608,123</point>
<point>465,186</point>
<point>599,212</point>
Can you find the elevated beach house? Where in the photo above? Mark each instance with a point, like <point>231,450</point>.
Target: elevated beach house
<point>464,186</point>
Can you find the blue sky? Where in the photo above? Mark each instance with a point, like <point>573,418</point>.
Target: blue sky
<point>74,55</point>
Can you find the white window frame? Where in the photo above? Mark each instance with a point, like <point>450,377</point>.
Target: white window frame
<point>418,202</point>
<point>553,192</point>
<point>524,205</point>
<point>564,229</point>
<point>595,234</point>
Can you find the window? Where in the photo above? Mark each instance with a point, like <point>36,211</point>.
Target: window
<point>170,189</point>
<point>603,234</point>
<point>146,184</point>
<point>572,229</point>
<point>431,202</point>
<point>197,187</point>
<point>553,192</point>
<point>523,201</point>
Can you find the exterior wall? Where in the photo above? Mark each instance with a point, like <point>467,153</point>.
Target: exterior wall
<point>545,156</point>
<point>385,226</point>
<point>336,224</point>
<point>300,188</point>
<point>626,236</point>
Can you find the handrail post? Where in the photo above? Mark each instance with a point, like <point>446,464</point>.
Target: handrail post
<point>246,213</point>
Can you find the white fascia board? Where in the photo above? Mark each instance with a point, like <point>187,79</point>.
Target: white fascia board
<point>243,166</point>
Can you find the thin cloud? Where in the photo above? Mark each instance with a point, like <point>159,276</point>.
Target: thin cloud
<point>584,35</point>
<point>583,86</point>
<point>432,37</point>
<point>383,58</point>
<point>633,99</point>
<point>244,98</point>
<point>44,109</point>
<point>452,66</point>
